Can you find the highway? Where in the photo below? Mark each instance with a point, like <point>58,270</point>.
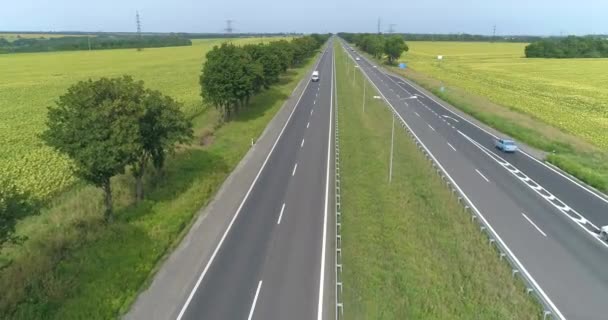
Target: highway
<point>547,219</point>
<point>271,261</point>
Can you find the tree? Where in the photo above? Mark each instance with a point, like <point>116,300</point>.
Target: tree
<point>161,126</point>
<point>394,46</point>
<point>269,60</point>
<point>225,81</point>
<point>375,45</point>
<point>96,125</point>
<point>284,51</point>
<point>14,206</point>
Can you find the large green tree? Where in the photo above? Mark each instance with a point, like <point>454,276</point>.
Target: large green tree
<point>162,125</point>
<point>96,125</point>
<point>269,60</point>
<point>394,47</point>
<point>225,79</point>
<point>285,52</point>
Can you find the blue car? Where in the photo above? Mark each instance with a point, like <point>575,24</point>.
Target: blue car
<point>506,145</point>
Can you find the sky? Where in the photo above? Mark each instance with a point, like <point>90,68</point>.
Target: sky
<point>530,17</point>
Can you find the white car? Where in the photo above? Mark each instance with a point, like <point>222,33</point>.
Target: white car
<point>357,58</point>
<point>604,233</point>
<point>315,76</point>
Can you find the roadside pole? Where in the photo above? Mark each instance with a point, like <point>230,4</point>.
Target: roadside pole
<point>364,85</point>
<point>390,169</point>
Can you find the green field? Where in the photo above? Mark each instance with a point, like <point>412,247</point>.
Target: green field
<point>556,105</point>
<point>31,82</point>
<point>409,250</point>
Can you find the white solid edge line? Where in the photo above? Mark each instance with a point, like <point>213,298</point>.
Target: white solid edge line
<point>302,144</point>
<point>217,248</point>
<point>481,174</point>
<point>281,214</point>
<point>523,269</point>
<point>582,186</point>
<point>293,173</point>
<point>255,300</point>
<point>451,146</point>
<point>533,224</point>
<point>322,277</point>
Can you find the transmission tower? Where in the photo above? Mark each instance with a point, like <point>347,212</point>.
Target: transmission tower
<point>391,28</point>
<point>379,25</point>
<point>138,22</point>
<point>494,33</point>
<point>229,28</point>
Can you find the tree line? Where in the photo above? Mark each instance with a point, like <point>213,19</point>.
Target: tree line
<point>568,47</point>
<point>454,37</point>
<point>378,45</point>
<point>232,74</point>
<point>93,43</point>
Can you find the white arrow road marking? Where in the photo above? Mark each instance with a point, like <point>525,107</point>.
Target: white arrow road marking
<point>448,117</point>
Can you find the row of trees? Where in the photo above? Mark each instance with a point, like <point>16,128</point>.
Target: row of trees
<point>93,43</point>
<point>108,125</point>
<point>569,47</point>
<point>232,74</point>
<point>378,45</point>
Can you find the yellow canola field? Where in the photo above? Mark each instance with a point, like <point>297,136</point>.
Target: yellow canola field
<point>570,94</point>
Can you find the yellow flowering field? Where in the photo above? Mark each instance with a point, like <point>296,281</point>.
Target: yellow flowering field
<point>569,94</point>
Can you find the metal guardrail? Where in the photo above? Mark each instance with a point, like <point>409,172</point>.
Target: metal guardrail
<point>339,301</point>
<point>517,268</point>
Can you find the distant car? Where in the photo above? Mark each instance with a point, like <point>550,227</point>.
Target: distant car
<point>505,145</point>
<point>604,233</point>
<point>357,58</point>
<point>315,76</point>
<point>374,66</point>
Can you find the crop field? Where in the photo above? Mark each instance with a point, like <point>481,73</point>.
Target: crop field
<point>31,82</point>
<point>15,36</point>
<point>569,94</point>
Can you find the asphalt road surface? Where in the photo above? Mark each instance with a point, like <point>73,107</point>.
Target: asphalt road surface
<point>548,220</point>
<point>270,262</point>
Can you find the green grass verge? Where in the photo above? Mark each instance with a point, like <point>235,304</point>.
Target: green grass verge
<point>75,267</point>
<point>409,251</point>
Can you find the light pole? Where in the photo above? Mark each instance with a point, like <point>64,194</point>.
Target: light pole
<point>364,85</point>
<point>390,169</point>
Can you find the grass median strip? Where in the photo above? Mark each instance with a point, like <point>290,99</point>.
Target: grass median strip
<point>409,250</point>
